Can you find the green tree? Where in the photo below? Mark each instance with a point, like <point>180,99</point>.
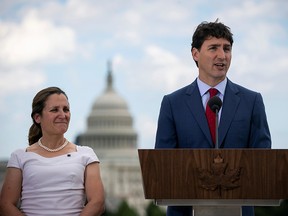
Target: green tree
<point>126,210</point>
<point>123,210</point>
<point>281,210</point>
<point>108,213</point>
<point>153,210</point>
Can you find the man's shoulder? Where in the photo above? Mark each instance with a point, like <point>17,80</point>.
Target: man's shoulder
<point>188,89</point>
<point>237,88</point>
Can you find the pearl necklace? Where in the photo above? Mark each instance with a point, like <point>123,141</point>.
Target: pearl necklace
<point>52,150</point>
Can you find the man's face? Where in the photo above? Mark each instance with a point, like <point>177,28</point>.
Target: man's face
<point>214,58</point>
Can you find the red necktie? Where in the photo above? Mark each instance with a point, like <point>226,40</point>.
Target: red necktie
<point>211,116</point>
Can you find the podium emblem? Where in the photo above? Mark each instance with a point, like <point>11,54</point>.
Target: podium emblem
<point>219,177</point>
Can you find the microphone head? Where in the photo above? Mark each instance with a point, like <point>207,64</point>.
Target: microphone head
<point>215,103</point>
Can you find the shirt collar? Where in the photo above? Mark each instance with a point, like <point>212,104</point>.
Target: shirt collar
<point>203,87</point>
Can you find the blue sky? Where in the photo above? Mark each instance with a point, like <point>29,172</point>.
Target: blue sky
<point>68,43</point>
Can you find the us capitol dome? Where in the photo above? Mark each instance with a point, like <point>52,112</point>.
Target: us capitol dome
<point>111,134</point>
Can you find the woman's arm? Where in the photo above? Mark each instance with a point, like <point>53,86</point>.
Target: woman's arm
<point>11,192</point>
<point>94,191</point>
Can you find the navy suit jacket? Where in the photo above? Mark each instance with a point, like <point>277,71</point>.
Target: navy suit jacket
<point>182,124</point>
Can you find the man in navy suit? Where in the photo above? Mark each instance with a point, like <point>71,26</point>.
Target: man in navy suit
<point>242,119</point>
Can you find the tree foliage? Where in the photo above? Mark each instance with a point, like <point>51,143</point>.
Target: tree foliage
<point>281,210</point>
<point>153,210</point>
<point>125,210</point>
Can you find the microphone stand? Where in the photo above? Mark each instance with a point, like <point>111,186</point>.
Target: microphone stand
<point>216,130</point>
<point>215,104</point>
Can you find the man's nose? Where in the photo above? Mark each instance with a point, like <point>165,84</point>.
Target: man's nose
<point>221,53</point>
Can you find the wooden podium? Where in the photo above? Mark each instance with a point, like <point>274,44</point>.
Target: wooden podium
<point>215,181</point>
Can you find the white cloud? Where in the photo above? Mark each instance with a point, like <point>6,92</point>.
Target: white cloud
<point>259,54</point>
<point>20,79</point>
<point>168,70</point>
<point>34,40</point>
<point>147,127</point>
<point>25,48</point>
<point>84,9</point>
<point>158,70</point>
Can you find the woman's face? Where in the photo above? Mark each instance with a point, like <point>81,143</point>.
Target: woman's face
<point>55,116</point>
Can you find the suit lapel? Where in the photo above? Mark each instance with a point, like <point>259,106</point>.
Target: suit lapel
<point>230,104</point>
<point>194,102</point>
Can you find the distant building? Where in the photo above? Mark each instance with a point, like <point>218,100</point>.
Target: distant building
<point>3,165</point>
<point>111,134</point>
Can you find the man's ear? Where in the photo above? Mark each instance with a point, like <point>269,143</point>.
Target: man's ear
<point>195,54</point>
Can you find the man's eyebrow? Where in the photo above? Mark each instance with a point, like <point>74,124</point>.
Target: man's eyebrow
<point>214,45</point>
<point>218,45</point>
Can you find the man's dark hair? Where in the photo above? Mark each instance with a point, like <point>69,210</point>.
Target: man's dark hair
<point>212,29</point>
<point>206,30</point>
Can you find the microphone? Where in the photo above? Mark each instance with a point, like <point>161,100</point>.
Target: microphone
<point>215,105</point>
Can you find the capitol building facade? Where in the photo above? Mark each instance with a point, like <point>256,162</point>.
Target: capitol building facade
<point>111,134</point>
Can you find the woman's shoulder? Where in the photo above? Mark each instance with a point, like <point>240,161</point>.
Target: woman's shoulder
<point>84,148</point>
<point>16,158</point>
<point>19,151</point>
<point>88,152</point>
